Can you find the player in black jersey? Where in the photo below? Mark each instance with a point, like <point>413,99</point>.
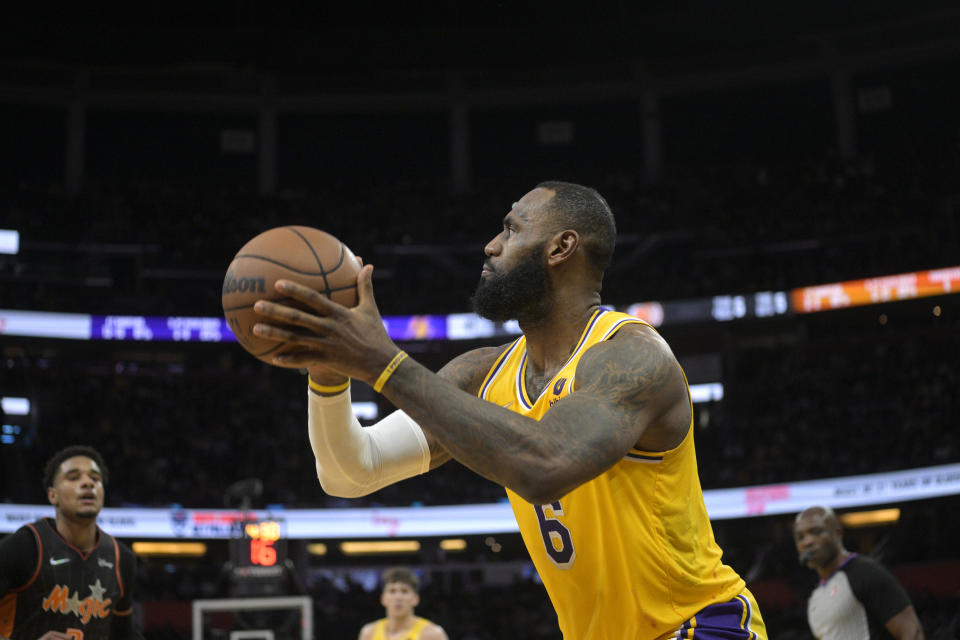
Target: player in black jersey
<point>64,578</point>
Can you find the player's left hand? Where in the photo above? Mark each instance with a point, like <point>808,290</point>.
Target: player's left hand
<point>350,341</point>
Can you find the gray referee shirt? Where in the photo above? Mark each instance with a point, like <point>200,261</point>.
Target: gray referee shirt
<point>855,602</point>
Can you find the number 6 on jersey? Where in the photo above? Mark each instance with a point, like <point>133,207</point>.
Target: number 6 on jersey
<point>556,537</point>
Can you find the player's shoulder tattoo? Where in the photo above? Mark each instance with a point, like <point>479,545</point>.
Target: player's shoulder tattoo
<point>634,366</point>
<point>468,370</point>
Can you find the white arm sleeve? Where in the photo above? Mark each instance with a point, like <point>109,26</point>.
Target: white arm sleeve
<point>353,460</point>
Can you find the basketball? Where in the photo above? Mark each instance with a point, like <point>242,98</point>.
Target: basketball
<point>304,255</point>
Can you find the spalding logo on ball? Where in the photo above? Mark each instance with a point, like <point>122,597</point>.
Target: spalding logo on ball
<point>305,255</point>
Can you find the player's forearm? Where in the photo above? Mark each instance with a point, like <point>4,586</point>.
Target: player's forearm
<point>914,632</point>
<point>354,461</point>
<point>905,625</point>
<point>502,446</point>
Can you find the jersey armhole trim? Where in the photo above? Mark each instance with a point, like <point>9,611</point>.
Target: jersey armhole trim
<point>36,570</point>
<point>611,332</point>
<point>495,369</point>
<point>116,555</point>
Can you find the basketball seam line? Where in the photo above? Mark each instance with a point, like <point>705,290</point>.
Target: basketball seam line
<point>323,272</point>
<point>316,258</point>
<point>254,256</point>
<point>270,350</point>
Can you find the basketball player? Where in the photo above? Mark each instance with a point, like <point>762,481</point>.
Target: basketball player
<point>63,578</point>
<point>857,597</point>
<point>400,596</point>
<point>586,419</point>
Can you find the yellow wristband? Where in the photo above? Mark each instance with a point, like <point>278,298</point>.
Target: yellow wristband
<point>322,388</point>
<point>388,371</point>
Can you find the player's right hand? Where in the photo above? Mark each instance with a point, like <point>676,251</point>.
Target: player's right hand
<point>351,341</point>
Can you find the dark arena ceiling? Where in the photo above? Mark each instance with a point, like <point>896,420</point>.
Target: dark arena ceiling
<point>344,38</point>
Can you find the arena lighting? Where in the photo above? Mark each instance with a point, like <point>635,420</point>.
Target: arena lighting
<point>366,410</point>
<point>469,326</point>
<point>855,293</point>
<point>453,544</point>
<point>191,549</point>
<point>360,548</point>
<point>13,406</point>
<point>869,518</point>
<point>9,433</point>
<point>317,549</point>
<point>706,392</point>
<point>9,242</point>
<point>846,492</point>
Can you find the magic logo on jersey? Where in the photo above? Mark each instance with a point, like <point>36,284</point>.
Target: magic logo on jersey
<point>60,600</point>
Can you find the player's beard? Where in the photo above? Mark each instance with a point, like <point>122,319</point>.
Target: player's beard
<point>523,293</point>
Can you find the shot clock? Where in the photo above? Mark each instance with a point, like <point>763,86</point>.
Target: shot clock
<point>260,544</point>
<point>264,537</point>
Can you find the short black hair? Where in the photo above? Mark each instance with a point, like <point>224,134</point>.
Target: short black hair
<point>50,469</point>
<point>402,575</point>
<point>585,211</point>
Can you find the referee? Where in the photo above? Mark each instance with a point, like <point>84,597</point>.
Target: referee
<point>857,598</point>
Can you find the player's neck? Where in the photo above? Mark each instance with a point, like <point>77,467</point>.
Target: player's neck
<point>82,534</point>
<point>551,341</point>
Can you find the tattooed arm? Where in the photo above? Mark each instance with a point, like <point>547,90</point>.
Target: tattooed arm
<point>630,391</point>
<point>466,372</point>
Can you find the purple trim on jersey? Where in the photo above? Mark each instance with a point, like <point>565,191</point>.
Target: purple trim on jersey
<point>610,332</point>
<point>643,458</point>
<point>521,389</point>
<point>748,616</point>
<point>839,566</point>
<point>721,621</point>
<point>496,369</point>
<point>619,325</point>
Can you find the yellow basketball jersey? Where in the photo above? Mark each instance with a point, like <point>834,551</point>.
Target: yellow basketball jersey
<point>380,633</point>
<point>631,553</point>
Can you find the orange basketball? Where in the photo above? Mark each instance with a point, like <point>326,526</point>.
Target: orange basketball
<point>305,255</point>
